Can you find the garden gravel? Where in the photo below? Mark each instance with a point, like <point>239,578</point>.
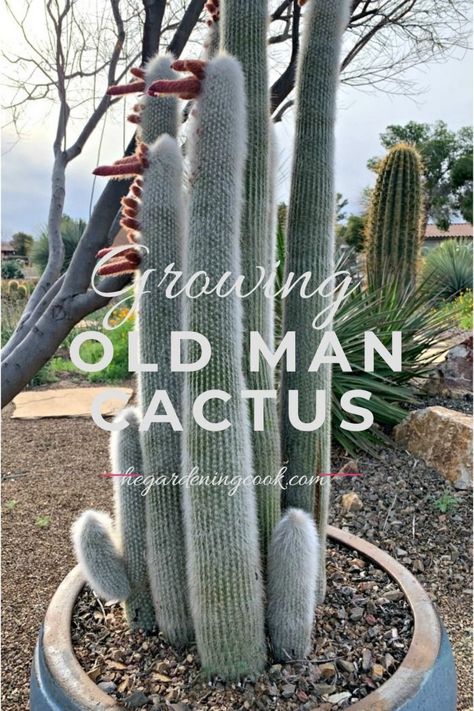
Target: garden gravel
<point>51,472</point>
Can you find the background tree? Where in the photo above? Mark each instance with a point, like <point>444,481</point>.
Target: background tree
<point>22,243</point>
<point>71,233</point>
<point>85,52</point>
<point>447,167</point>
<point>352,232</point>
<point>341,203</point>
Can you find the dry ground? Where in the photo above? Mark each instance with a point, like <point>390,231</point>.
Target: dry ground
<point>50,473</point>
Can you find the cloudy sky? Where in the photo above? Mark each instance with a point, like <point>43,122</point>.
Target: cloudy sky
<point>445,93</point>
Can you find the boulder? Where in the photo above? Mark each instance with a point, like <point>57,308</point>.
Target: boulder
<point>443,439</point>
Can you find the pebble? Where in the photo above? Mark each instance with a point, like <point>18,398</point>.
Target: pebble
<point>327,670</point>
<point>108,687</point>
<point>275,670</point>
<point>288,691</point>
<point>366,659</point>
<point>346,666</point>
<point>339,698</point>
<point>356,614</point>
<point>377,672</point>
<point>135,700</point>
<point>322,689</point>
<point>351,502</point>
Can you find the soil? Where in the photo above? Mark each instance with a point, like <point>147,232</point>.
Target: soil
<point>362,633</point>
<point>50,474</point>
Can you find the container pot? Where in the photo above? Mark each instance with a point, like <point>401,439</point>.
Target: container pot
<point>425,680</point>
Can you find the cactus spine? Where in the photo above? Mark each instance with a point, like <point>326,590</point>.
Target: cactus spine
<point>130,522</point>
<point>291,591</point>
<point>244,25</point>
<point>221,530</point>
<point>394,224</point>
<point>310,247</point>
<point>162,225</point>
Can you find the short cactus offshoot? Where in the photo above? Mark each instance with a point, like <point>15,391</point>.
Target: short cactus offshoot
<point>219,567</point>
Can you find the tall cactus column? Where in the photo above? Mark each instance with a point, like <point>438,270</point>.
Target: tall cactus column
<point>394,225</point>
<point>221,529</point>
<point>243,27</point>
<point>160,221</point>
<point>310,247</point>
<point>162,231</point>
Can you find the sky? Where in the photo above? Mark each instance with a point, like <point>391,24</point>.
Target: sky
<point>445,93</point>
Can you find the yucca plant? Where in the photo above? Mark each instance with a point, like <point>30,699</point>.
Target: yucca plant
<point>448,269</point>
<point>384,310</point>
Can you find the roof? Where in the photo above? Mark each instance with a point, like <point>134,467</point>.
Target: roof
<point>461,229</point>
<point>7,247</point>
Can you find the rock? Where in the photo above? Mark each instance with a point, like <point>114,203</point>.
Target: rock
<point>456,371</point>
<point>389,661</point>
<point>273,690</point>
<point>275,670</point>
<point>351,502</point>
<point>443,439</point>
<point>377,672</point>
<point>393,595</point>
<point>356,614</point>
<point>339,698</point>
<point>136,700</point>
<point>322,689</point>
<point>346,666</point>
<point>327,670</point>
<point>366,659</point>
<point>288,691</point>
<point>108,687</point>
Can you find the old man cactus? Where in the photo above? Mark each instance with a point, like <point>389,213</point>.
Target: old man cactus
<point>201,562</point>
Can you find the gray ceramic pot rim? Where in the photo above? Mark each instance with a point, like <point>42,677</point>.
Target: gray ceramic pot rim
<point>399,688</point>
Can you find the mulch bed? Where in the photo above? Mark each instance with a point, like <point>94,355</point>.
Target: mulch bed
<point>50,470</point>
<point>362,633</point>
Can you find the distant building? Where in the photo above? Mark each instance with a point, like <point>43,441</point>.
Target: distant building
<point>8,252</point>
<point>434,236</point>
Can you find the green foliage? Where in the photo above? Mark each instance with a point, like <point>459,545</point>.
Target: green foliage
<point>12,269</point>
<point>71,233</point>
<point>352,232</point>
<point>92,352</point>
<point>394,220</point>
<point>460,311</point>
<point>43,521</point>
<point>383,310</point>
<point>22,243</point>
<point>341,203</point>
<point>11,504</point>
<point>447,166</point>
<point>448,269</point>
<point>446,502</point>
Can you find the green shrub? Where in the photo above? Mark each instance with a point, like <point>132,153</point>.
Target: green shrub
<point>12,269</point>
<point>459,311</point>
<point>71,232</point>
<point>91,352</point>
<point>448,269</point>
